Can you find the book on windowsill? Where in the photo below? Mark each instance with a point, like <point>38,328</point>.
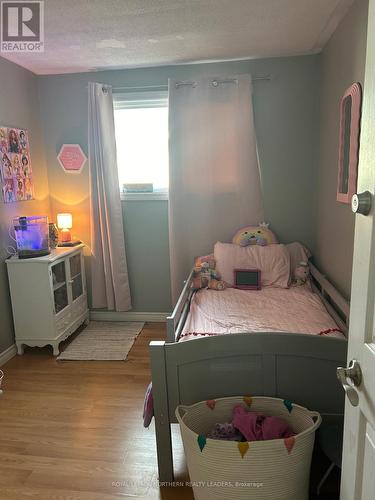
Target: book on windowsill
<point>138,188</point>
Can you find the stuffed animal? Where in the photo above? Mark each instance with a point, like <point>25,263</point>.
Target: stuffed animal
<point>217,285</point>
<point>301,274</point>
<point>205,274</point>
<point>207,261</point>
<point>254,235</point>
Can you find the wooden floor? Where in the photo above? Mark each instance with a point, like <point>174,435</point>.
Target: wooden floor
<point>73,430</point>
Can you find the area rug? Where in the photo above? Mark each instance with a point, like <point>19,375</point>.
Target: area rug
<point>103,341</point>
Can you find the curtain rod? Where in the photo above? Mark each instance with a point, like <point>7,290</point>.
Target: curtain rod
<point>165,87</point>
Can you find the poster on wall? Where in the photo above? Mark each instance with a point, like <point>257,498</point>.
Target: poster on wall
<point>15,165</point>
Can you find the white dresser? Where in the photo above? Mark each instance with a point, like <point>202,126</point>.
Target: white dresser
<point>49,297</point>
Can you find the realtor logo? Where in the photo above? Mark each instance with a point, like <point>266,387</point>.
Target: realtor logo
<point>22,26</point>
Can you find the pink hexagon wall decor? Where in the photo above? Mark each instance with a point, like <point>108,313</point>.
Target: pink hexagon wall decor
<point>71,158</point>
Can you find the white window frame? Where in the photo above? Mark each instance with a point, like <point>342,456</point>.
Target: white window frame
<point>145,99</point>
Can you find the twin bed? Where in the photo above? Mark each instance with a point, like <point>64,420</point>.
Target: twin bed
<point>275,342</point>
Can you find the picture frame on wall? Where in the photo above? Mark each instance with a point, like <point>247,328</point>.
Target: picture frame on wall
<point>16,173</point>
<point>350,119</point>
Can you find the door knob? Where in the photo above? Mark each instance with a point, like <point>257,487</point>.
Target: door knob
<point>354,374</point>
<point>361,203</point>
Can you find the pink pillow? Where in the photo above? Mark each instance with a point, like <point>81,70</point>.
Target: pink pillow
<point>272,260</point>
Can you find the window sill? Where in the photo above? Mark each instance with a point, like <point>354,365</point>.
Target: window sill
<point>144,196</point>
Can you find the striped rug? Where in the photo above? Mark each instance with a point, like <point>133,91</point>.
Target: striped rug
<point>103,341</point>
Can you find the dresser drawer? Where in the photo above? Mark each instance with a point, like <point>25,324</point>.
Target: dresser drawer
<point>79,306</point>
<point>74,311</point>
<point>63,322</point>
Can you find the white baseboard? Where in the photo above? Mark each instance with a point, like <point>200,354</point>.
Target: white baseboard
<point>8,354</point>
<point>156,317</point>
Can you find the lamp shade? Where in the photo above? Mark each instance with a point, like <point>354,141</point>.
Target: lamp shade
<point>64,221</point>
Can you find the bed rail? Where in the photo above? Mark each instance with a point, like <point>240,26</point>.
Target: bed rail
<point>176,321</point>
<point>337,306</point>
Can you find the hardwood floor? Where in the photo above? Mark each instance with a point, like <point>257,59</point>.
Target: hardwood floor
<point>73,430</point>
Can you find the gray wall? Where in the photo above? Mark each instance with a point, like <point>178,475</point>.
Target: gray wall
<point>19,108</point>
<point>147,251</point>
<point>343,62</point>
<point>286,123</point>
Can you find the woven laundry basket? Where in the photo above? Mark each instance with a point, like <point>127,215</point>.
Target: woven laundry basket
<point>277,469</point>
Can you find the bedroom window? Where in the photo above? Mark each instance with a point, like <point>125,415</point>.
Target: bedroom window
<point>141,125</point>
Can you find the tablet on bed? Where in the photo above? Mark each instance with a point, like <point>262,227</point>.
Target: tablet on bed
<point>247,279</point>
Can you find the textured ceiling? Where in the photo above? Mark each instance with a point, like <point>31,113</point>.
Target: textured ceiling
<point>88,35</point>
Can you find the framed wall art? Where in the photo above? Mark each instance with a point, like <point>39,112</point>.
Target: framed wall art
<point>16,174</point>
<point>350,119</point>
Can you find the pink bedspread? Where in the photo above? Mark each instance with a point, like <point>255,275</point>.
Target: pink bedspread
<point>293,310</point>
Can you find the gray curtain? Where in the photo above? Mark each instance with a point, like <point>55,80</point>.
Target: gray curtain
<point>214,181</point>
<point>110,284</point>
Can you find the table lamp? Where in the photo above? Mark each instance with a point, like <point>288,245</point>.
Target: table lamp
<point>65,224</point>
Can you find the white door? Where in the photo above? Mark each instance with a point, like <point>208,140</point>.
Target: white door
<point>358,472</point>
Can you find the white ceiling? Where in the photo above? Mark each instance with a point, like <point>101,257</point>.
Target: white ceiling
<point>88,35</point>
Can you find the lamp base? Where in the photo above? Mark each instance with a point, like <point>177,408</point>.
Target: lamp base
<point>72,243</point>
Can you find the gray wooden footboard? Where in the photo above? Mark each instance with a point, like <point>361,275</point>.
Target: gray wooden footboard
<point>298,367</point>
